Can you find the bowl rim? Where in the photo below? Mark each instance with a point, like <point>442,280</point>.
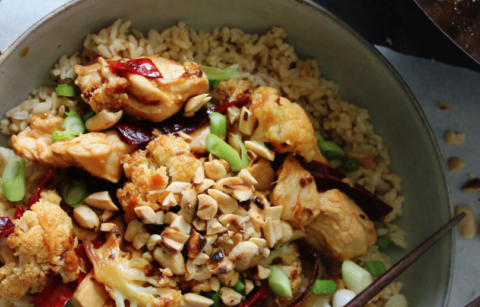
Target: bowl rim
<point>320,9</point>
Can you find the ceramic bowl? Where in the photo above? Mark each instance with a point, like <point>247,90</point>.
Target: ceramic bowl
<point>365,79</point>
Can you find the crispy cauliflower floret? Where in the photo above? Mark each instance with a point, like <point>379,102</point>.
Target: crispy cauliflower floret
<point>297,192</point>
<point>284,125</point>
<point>148,169</point>
<point>342,230</point>
<point>232,90</point>
<point>129,277</point>
<point>44,243</point>
<point>153,99</point>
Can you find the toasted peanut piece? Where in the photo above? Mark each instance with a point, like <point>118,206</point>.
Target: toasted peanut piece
<point>199,175</point>
<point>262,202</point>
<point>241,192</point>
<point>226,203</point>
<point>247,177</point>
<point>265,252</point>
<point>101,200</point>
<point>133,228</point>
<point>206,184</point>
<point>260,149</point>
<point>232,222</point>
<point>255,217</point>
<point>233,114</point>
<point>85,217</point>
<point>169,201</point>
<point>287,231</point>
<point>201,259</point>
<point>277,229</point>
<point>215,170</point>
<point>195,244</point>
<point>242,254</point>
<point>297,234</point>
<point>152,241</point>
<point>471,186</point>
<point>103,120</point>
<point>200,286</point>
<point>211,158</point>
<point>207,207</point>
<point>196,272</point>
<point>107,215</point>
<point>275,213</point>
<point>210,240</point>
<point>455,163</point>
<point>195,300</point>
<point>159,216</point>
<point>225,164</point>
<point>247,121</point>
<point>261,243</point>
<point>108,227</point>
<point>185,136</point>
<point>268,233</point>
<point>169,217</point>
<point>188,114</point>
<point>84,233</point>
<point>199,224</point>
<point>148,256</point>
<point>189,204</point>
<point>214,227</point>
<point>229,181</point>
<point>173,239</point>
<point>180,224</point>
<point>140,239</point>
<point>259,272</point>
<point>248,286</point>
<point>177,187</point>
<point>467,226</point>
<point>454,138</point>
<point>217,264</point>
<point>175,262</point>
<point>230,297</point>
<point>146,213</point>
<point>214,284</point>
<point>196,103</point>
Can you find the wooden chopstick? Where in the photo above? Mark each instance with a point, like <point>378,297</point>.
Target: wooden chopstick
<point>474,303</point>
<point>375,287</point>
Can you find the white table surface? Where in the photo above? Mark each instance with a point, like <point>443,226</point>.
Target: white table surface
<point>430,81</point>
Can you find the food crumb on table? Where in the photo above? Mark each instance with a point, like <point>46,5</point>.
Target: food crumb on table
<point>471,186</point>
<point>444,106</point>
<point>455,163</point>
<point>454,138</point>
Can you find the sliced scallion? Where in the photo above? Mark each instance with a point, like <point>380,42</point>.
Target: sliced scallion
<point>245,159</point>
<point>74,192</point>
<point>319,137</point>
<point>398,300</point>
<point>74,124</point>
<point>72,113</point>
<point>14,180</point>
<point>215,75</point>
<point>218,124</point>
<point>279,282</point>
<point>89,115</point>
<point>240,285</point>
<point>375,267</point>
<point>65,90</point>
<point>323,287</point>
<point>355,277</point>
<point>383,242</point>
<point>351,164</point>
<point>331,150</point>
<point>217,147</point>
<point>63,136</point>
<point>215,297</point>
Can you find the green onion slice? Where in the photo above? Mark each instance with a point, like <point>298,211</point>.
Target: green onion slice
<point>73,113</point>
<point>63,136</point>
<point>215,296</point>
<point>351,164</point>
<point>383,242</point>
<point>355,277</point>
<point>65,90</point>
<point>323,287</point>
<point>279,282</point>
<point>215,75</point>
<point>375,267</point>
<point>319,137</point>
<point>217,147</point>
<point>14,180</point>
<point>240,285</point>
<point>331,150</point>
<point>245,159</point>
<point>218,124</point>
<point>74,124</point>
<point>74,192</point>
<point>89,115</point>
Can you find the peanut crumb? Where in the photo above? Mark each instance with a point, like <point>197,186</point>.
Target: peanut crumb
<point>443,105</point>
<point>471,186</point>
<point>454,138</point>
<point>455,163</point>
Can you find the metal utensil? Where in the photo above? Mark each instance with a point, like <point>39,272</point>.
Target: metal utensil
<point>459,20</point>
<point>474,303</point>
<point>374,288</point>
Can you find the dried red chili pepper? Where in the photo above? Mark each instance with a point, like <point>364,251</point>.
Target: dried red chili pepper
<point>305,249</point>
<point>327,178</point>
<point>18,212</point>
<point>99,240</point>
<point>6,227</point>
<point>58,293</point>
<point>222,108</point>
<point>36,195</point>
<point>143,67</point>
<point>261,293</point>
<point>135,134</point>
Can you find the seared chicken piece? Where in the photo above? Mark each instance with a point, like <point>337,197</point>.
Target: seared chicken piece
<point>44,245</point>
<point>284,125</point>
<point>152,99</point>
<point>342,230</point>
<point>90,293</point>
<point>233,89</point>
<point>297,192</point>
<point>197,145</point>
<point>98,153</point>
<point>263,172</point>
